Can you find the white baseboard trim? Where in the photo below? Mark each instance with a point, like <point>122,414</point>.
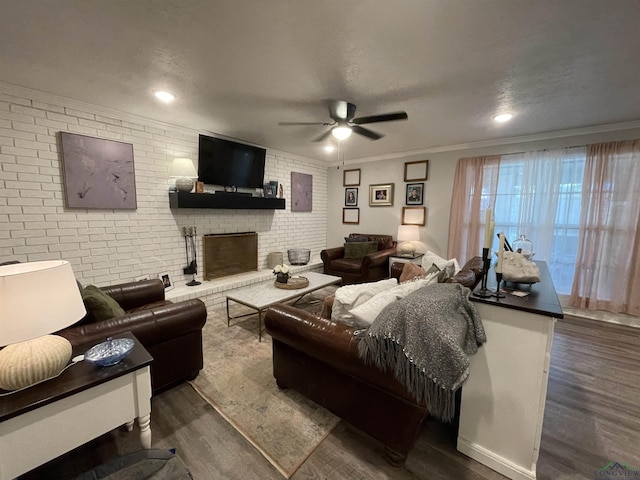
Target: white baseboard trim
<point>494,462</point>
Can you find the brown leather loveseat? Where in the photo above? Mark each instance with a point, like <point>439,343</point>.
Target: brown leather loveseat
<point>319,358</point>
<point>372,266</point>
<point>171,332</point>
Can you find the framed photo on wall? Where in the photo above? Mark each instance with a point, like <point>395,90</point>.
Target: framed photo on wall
<point>416,171</point>
<point>381,195</point>
<point>351,178</point>
<point>350,197</point>
<point>414,216</point>
<point>351,215</point>
<point>415,193</point>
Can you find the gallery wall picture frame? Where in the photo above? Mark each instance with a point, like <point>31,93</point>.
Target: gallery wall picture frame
<point>415,194</point>
<point>166,280</point>
<point>381,195</point>
<point>98,173</point>
<point>351,216</point>
<point>416,171</point>
<point>350,197</point>
<point>351,178</point>
<point>414,216</point>
<point>301,192</point>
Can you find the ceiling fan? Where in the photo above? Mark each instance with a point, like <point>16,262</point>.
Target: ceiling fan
<point>342,113</point>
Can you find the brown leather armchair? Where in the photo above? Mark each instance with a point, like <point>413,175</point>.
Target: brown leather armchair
<point>371,267</point>
<point>171,332</point>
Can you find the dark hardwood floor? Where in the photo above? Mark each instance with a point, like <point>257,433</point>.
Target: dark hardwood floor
<point>592,417</point>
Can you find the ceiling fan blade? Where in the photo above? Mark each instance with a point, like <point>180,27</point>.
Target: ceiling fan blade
<point>321,137</point>
<point>386,117</point>
<point>303,123</point>
<point>366,132</point>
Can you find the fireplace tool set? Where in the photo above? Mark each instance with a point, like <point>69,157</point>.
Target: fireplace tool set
<point>189,234</point>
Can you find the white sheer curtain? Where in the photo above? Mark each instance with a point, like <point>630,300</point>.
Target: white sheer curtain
<point>539,195</point>
<point>607,274</point>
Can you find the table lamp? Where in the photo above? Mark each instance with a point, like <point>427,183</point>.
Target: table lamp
<point>183,169</point>
<point>36,299</point>
<point>408,234</point>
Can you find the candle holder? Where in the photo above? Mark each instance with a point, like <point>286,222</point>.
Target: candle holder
<point>484,292</point>
<point>498,293</point>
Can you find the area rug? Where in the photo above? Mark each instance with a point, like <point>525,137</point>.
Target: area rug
<point>237,381</point>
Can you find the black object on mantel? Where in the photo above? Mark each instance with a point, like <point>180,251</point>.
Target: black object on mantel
<point>229,201</point>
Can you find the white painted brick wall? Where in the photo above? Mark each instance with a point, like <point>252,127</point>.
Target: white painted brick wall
<point>111,246</point>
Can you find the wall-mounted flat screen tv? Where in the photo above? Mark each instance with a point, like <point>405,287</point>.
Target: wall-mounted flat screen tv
<point>230,164</point>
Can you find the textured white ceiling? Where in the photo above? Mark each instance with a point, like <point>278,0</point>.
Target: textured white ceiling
<point>239,67</point>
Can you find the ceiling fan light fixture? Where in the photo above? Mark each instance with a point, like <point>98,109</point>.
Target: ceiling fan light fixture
<point>341,132</point>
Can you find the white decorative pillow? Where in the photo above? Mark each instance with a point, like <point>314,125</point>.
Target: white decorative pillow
<point>367,312</point>
<point>451,266</point>
<point>351,296</point>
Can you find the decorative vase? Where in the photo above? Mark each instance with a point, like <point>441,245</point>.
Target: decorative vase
<point>282,277</point>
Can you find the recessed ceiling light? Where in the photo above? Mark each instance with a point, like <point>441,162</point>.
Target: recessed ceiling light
<point>329,148</point>
<point>163,96</point>
<point>503,117</point>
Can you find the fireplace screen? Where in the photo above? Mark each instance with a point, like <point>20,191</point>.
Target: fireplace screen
<point>229,254</point>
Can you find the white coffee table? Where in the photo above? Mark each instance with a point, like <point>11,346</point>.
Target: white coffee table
<point>263,295</point>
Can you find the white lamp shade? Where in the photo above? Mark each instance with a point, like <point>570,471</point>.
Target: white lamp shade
<point>37,298</point>
<point>408,233</point>
<point>183,167</point>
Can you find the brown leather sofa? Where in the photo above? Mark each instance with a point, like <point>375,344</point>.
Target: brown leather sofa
<point>371,267</point>
<point>171,332</point>
<point>319,358</point>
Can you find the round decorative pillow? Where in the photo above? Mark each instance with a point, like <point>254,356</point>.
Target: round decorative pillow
<point>25,363</point>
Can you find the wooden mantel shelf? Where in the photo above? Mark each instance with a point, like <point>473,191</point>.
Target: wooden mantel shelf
<point>224,201</point>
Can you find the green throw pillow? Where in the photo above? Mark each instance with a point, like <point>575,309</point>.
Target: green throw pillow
<point>359,249</point>
<point>100,306</point>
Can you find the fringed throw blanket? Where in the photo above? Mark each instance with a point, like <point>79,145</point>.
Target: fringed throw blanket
<point>425,338</point>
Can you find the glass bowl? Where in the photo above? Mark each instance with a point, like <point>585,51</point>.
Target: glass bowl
<point>110,352</point>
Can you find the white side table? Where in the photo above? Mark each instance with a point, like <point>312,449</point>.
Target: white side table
<point>44,421</point>
<point>415,258</point>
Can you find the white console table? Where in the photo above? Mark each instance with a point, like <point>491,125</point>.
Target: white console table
<point>503,400</point>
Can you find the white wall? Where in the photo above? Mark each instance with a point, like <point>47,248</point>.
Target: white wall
<point>109,246</point>
<point>437,195</point>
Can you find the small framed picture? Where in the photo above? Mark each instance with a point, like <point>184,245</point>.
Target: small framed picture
<point>351,215</point>
<point>351,178</point>
<point>381,195</point>
<point>416,171</point>
<point>415,193</point>
<point>270,190</point>
<point>199,187</point>
<point>414,216</point>
<point>166,280</point>
<point>350,197</point>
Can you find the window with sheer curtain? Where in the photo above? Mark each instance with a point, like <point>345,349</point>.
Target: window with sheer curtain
<point>539,195</point>
<point>577,205</point>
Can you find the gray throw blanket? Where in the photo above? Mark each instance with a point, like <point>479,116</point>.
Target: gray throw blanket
<point>425,338</point>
